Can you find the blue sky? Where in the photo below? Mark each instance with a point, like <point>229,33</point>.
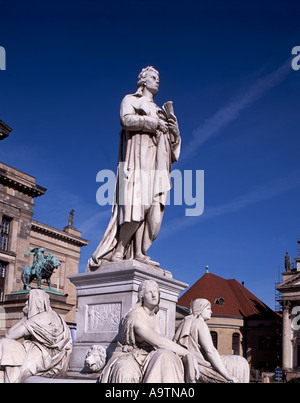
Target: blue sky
<point>227,67</point>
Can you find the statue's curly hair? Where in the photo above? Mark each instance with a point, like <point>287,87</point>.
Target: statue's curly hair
<point>143,74</point>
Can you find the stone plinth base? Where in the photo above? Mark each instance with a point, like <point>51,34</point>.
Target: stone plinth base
<point>106,295</point>
<point>11,310</point>
<point>40,379</point>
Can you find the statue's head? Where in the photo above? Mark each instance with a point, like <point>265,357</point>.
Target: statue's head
<point>201,307</point>
<point>38,302</point>
<point>95,358</point>
<point>148,77</point>
<point>149,294</point>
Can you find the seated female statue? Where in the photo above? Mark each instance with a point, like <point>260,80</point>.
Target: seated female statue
<point>193,333</point>
<point>47,347</point>
<point>144,355</point>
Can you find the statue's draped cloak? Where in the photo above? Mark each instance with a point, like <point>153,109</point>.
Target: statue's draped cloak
<point>48,350</point>
<point>51,336</point>
<point>187,336</point>
<point>143,176</point>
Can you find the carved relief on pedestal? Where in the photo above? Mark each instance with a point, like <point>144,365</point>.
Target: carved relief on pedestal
<point>103,317</point>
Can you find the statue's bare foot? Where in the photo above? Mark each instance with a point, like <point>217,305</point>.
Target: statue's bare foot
<point>140,257</point>
<point>145,259</point>
<point>117,257</point>
<point>152,262</point>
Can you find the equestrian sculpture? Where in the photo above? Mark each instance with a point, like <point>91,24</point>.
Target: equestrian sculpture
<point>42,268</point>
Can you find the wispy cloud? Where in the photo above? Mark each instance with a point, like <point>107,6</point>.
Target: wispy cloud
<point>230,112</point>
<point>92,223</point>
<point>211,128</point>
<point>265,192</point>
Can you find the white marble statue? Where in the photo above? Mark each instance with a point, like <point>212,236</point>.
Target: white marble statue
<point>144,356</point>
<point>193,333</point>
<point>149,143</point>
<point>47,344</point>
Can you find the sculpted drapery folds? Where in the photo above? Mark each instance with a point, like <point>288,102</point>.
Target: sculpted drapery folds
<point>47,348</point>
<point>143,354</point>
<point>193,334</point>
<point>149,143</point>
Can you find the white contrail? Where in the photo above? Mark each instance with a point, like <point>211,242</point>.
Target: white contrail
<point>224,116</point>
<point>265,192</point>
<point>92,222</point>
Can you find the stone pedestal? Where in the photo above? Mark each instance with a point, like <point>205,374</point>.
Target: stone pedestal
<point>106,295</point>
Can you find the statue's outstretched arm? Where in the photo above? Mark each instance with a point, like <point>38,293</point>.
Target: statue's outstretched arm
<point>150,336</point>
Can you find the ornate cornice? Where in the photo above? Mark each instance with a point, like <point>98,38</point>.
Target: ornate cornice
<point>58,234</point>
<point>17,180</point>
<point>290,282</point>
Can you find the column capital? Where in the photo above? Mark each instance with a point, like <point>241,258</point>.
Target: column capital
<point>286,305</point>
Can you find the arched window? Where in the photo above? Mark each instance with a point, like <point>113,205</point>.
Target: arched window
<point>236,344</point>
<point>214,336</point>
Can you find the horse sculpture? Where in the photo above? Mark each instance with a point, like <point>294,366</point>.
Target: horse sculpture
<point>41,269</point>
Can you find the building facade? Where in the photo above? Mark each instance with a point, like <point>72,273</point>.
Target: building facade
<point>290,302</point>
<point>20,233</point>
<point>241,324</point>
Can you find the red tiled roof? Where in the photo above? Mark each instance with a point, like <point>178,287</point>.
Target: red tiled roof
<point>238,301</point>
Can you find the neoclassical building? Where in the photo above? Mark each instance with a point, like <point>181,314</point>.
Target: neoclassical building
<point>290,301</point>
<point>20,233</point>
<point>241,323</point>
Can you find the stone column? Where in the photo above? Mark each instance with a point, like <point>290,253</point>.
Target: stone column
<point>286,336</point>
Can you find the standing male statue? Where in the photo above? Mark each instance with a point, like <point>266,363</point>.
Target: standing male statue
<point>71,218</point>
<point>149,143</point>
<point>287,262</point>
